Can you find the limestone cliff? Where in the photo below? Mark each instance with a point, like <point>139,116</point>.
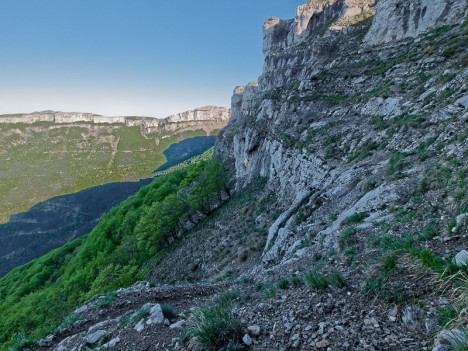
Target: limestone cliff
<point>309,125</point>
<point>206,118</point>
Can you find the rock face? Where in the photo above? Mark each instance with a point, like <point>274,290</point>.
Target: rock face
<point>208,117</point>
<point>309,124</point>
<point>396,19</point>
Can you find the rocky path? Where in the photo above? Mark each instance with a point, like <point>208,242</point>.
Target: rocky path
<point>130,319</point>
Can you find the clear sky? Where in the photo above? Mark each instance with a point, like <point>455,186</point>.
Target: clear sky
<point>129,57</point>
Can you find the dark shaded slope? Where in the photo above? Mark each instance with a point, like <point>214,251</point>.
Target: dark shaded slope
<point>54,222</point>
<point>186,149</point>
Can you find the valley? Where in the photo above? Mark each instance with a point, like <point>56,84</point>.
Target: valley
<point>44,155</point>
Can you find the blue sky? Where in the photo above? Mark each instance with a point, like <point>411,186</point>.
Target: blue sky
<point>129,57</point>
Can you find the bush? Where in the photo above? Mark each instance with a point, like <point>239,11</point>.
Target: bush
<point>283,283</point>
<point>168,311</point>
<point>228,298</point>
<point>296,281</point>
<point>316,280</point>
<point>212,327</point>
<point>348,241</point>
<point>396,163</point>
<point>356,218</point>
<point>107,299</point>
<point>268,291</point>
<point>20,342</point>
<point>337,279</point>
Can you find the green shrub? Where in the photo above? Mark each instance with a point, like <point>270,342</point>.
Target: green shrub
<point>316,280</point>
<point>356,218</point>
<point>445,316</point>
<point>168,311</point>
<point>20,341</point>
<point>268,291</point>
<point>212,327</point>
<point>413,121</point>
<point>396,163</point>
<point>229,297</point>
<point>107,299</point>
<point>429,259</point>
<point>374,285</point>
<point>283,283</point>
<point>449,51</point>
<point>390,262</point>
<point>337,279</point>
<point>348,241</point>
<point>68,321</point>
<point>295,280</point>
<point>138,315</point>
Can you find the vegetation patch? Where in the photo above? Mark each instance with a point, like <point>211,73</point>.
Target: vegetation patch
<point>213,327</point>
<point>356,218</point>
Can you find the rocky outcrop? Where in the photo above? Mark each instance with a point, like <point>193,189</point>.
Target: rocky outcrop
<point>307,126</point>
<point>396,19</point>
<point>208,118</point>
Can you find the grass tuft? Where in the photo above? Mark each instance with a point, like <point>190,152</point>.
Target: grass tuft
<point>283,283</point>
<point>316,280</point>
<point>213,327</point>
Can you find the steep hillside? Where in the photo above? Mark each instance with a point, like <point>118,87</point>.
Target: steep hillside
<point>54,222</point>
<point>35,297</point>
<point>43,155</point>
<point>337,220</point>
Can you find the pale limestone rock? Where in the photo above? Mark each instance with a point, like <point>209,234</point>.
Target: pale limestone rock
<point>461,258</point>
<point>247,340</point>
<point>156,315</point>
<point>140,325</point>
<point>208,118</point>
<point>178,325</point>
<point>112,343</point>
<point>95,336</point>
<point>254,330</point>
<point>399,19</point>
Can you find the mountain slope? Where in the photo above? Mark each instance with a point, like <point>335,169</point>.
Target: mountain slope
<point>347,225</point>
<point>53,223</point>
<point>35,297</point>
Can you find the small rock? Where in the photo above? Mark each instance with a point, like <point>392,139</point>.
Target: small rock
<point>254,330</point>
<point>177,325</point>
<point>94,337</point>
<point>441,348</point>
<point>413,317</point>
<point>459,220</point>
<point>322,344</point>
<point>461,258</point>
<point>47,341</point>
<point>111,343</point>
<point>156,315</point>
<point>463,101</point>
<point>448,337</point>
<point>247,340</point>
<point>140,326</point>
<point>295,337</point>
